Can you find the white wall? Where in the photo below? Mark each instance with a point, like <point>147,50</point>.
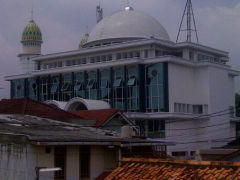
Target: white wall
<point>102,159</point>
<point>73,163</point>
<point>200,85</point>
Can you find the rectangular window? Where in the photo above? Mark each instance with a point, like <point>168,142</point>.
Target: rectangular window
<point>131,81</point>
<point>109,57</point>
<point>191,56</point>
<point>103,58</point>
<point>98,59</point>
<point>125,56</point>
<point>180,153</point>
<point>91,84</point>
<point>137,54</point>
<point>119,56</point>
<point>54,88</point>
<point>84,60</point>
<point>68,63</point>
<point>145,53</point>
<point>60,162</point>
<point>104,83</point>
<point>238,129</point>
<point>78,86</point>
<point>92,59</point>
<point>150,125</point>
<point>59,64</point>
<point>197,109</point>
<point>85,161</point>
<point>66,87</point>
<point>130,54</point>
<point>117,82</point>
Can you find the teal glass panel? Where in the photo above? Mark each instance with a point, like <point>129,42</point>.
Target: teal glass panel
<point>91,84</point>
<point>80,94</point>
<point>117,83</point>
<point>104,83</point>
<point>32,88</point>
<point>18,87</point>
<point>66,87</point>
<point>78,86</point>
<point>155,91</point>
<point>155,103</point>
<point>119,72</point>
<point>79,76</point>
<point>54,88</point>
<point>131,81</point>
<point>155,86</point>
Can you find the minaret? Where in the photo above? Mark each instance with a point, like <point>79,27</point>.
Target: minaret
<point>31,45</point>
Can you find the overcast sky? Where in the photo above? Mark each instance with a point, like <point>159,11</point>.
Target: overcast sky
<point>63,22</point>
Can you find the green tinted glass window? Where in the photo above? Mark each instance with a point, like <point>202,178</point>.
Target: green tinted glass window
<point>117,82</point>
<point>131,81</point>
<point>78,86</point>
<point>54,88</point>
<point>66,87</point>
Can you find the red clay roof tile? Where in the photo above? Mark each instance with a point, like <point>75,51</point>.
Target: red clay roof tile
<point>101,116</point>
<point>146,169</point>
<point>35,108</point>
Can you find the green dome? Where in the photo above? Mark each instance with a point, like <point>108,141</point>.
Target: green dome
<point>84,40</point>
<point>32,32</point>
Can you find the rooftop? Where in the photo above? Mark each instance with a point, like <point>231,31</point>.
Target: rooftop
<point>100,116</point>
<point>25,106</point>
<point>42,131</point>
<point>128,24</point>
<point>141,168</point>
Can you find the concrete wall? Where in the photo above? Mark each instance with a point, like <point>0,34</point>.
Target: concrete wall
<point>18,162</point>
<point>102,159</point>
<point>203,85</point>
<point>26,64</point>
<point>13,162</point>
<point>73,163</point>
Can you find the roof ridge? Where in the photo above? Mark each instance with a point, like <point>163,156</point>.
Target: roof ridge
<point>186,162</point>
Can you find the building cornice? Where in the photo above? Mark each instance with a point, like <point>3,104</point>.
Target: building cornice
<point>128,44</point>
<point>124,62</point>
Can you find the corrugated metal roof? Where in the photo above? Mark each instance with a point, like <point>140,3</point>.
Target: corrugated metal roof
<point>46,131</point>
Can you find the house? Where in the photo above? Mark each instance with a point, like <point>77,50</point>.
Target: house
<point>29,142</point>
<point>159,169</point>
<point>109,119</point>
<point>230,152</point>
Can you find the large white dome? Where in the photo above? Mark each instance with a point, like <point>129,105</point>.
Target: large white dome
<point>128,24</point>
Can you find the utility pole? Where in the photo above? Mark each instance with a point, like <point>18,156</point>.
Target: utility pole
<point>191,23</point>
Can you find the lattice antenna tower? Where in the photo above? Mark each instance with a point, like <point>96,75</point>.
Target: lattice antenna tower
<point>99,13</point>
<point>191,23</point>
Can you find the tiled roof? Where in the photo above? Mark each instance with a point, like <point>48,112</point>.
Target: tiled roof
<point>148,169</point>
<point>101,116</point>
<point>27,106</point>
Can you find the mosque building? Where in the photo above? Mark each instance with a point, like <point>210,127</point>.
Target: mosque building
<point>179,91</point>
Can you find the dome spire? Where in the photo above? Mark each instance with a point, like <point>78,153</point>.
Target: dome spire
<point>31,38</point>
<point>31,14</point>
<point>128,7</point>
